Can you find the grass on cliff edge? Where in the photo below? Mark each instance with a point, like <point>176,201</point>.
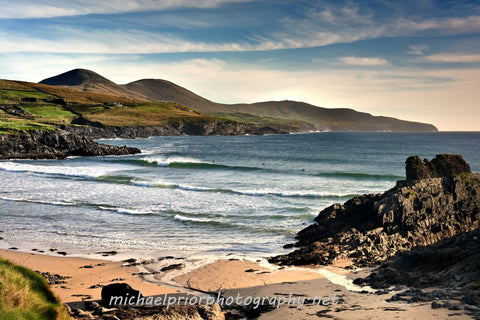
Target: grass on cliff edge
<point>16,126</point>
<point>24,294</point>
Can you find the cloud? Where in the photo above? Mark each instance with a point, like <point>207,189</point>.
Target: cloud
<point>104,41</point>
<point>359,61</point>
<point>452,58</point>
<point>439,26</point>
<point>417,49</point>
<point>23,9</point>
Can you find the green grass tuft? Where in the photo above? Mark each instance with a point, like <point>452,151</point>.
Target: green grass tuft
<point>24,294</point>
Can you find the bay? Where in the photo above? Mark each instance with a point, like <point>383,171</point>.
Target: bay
<point>214,195</point>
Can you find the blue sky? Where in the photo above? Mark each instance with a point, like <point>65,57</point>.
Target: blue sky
<point>416,60</point>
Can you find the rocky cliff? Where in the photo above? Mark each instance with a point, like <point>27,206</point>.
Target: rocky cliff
<point>416,212</point>
<point>202,128</point>
<point>55,145</point>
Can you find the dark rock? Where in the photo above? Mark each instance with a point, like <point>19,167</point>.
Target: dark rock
<point>96,286</point>
<point>55,145</point>
<point>81,314</point>
<point>107,253</point>
<point>443,165</point>
<point>176,266</point>
<point>117,279</point>
<point>92,305</point>
<point>131,260</point>
<point>373,227</point>
<point>54,278</point>
<point>63,253</point>
<point>123,290</point>
<point>204,127</point>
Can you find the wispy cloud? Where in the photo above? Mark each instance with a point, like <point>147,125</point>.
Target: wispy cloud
<point>453,58</point>
<point>359,61</point>
<point>417,49</point>
<point>22,9</point>
<point>103,41</point>
<point>443,26</point>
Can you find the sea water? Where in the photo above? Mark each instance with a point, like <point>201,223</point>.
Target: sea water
<point>210,195</point>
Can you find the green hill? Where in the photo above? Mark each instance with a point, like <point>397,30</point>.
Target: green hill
<point>26,106</point>
<point>302,115</point>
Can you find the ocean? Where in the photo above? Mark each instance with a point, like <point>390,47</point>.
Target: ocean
<point>204,195</point>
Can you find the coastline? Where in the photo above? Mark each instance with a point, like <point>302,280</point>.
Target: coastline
<point>236,278</point>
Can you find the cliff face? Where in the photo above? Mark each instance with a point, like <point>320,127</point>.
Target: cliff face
<point>373,227</point>
<point>58,144</point>
<point>204,128</point>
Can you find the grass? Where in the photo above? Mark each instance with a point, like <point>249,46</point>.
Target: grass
<point>24,294</point>
<point>51,113</point>
<point>147,114</point>
<point>15,126</point>
<point>41,102</point>
<point>258,120</point>
<point>8,96</point>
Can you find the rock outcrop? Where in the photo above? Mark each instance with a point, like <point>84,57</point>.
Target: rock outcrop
<point>442,165</point>
<point>55,145</point>
<point>371,228</point>
<point>451,267</point>
<point>121,291</point>
<point>93,310</point>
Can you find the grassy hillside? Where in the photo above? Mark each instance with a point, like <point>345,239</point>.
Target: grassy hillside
<point>89,81</point>
<point>276,113</point>
<point>26,107</point>
<point>341,119</point>
<point>146,114</point>
<point>24,294</point>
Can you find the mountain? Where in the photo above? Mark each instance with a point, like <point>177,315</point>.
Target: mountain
<point>86,80</point>
<point>301,115</point>
<point>163,90</point>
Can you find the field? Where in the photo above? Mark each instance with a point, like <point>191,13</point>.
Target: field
<point>26,107</point>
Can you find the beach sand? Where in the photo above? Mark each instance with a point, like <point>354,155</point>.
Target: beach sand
<point>299,287</point>
<point>85,275</point>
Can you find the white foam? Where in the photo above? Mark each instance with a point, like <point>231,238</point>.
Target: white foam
<point>133,211</point>
<point>183,219</point>
<point>165,161</point>
<point>74,171</point>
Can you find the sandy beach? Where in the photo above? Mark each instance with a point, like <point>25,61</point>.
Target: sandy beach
<point>297,293</point>
<point>84,277</point>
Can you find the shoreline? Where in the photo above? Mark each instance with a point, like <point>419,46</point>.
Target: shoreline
<point>234,278</point>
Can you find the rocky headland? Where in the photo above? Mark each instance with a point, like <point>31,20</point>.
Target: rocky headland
<point>422,235</point>
<point>439,199</point>
<point>55,145</point>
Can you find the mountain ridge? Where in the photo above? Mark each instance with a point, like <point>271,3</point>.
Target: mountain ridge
<point>305,116</point>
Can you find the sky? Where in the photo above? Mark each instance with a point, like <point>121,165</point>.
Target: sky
<point>416,60</point>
